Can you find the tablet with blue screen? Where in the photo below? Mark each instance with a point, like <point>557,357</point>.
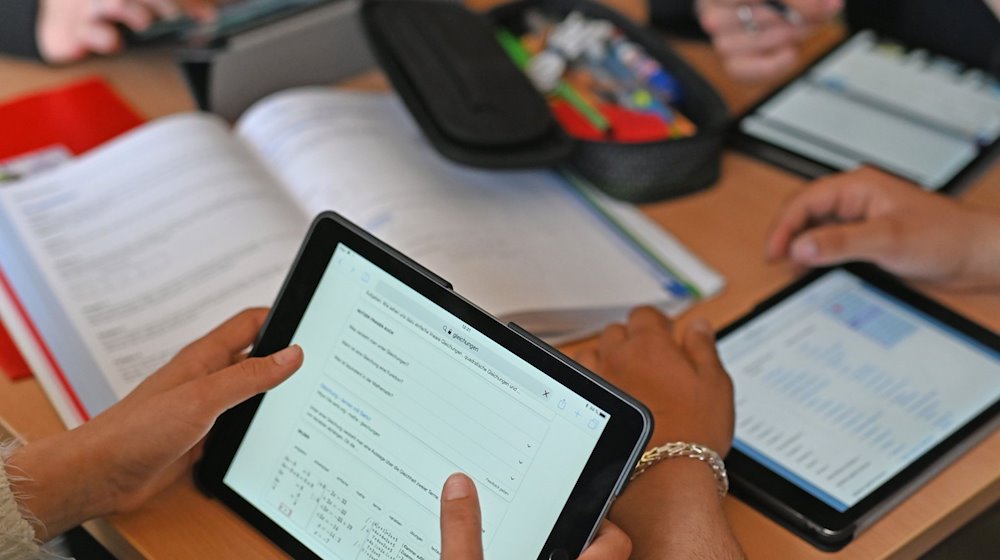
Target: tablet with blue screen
<point>851,390</point>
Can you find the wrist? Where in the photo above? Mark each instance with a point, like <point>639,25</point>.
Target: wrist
<point>682,460</point>
<point>684,472</point>
<point>661,435</point>
<point>653,508</point>
<point>54,482</point>
<point>671,502</point>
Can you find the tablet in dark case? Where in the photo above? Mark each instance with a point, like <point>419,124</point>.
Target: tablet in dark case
<point>404,383</point>
<point>851,391</point>
<point>921,116</point>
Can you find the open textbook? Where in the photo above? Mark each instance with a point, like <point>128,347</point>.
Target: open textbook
<point>113,262</point>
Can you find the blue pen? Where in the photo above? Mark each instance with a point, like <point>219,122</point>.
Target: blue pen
<point>677,288</point>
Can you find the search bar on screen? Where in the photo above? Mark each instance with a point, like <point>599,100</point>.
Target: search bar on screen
<point>515,375</point>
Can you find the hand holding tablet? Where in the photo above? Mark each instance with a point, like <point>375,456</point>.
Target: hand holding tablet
<point>149,439</point>
<point>403,384</point>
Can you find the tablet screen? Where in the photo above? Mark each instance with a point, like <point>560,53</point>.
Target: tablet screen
<point>349,455</point>
<point>841,386</point>
<point>922,117</point>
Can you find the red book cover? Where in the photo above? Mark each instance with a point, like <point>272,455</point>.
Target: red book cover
<point>79,116</point>
<point>11,361</point>
<point>42,129</point>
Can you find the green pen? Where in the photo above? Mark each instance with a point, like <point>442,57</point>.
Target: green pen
<point>564,90</point>
<point>514,48</point>
<point>573,97</point>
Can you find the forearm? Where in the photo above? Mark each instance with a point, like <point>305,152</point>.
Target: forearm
<point>53,480</point>
<point>673,510</point>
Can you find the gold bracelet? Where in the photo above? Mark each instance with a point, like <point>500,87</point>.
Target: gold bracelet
<point>692,451</point>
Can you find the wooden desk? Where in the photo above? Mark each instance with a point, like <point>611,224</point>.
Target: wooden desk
<point>725,225</point>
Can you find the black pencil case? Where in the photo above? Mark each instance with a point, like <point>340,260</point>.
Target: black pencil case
<point>479,109</point>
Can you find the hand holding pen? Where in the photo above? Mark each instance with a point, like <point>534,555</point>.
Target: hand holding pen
<point>758,39</point>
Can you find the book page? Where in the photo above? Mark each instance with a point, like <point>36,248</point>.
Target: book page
<point>511,241</point>
<point>126,255</point>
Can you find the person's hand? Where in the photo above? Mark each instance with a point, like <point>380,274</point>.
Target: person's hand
<point>756,42</point>
<point>69,30</point>
<point>684,385</point>
<point>462,532</point>
<point>151,437</point>
<point>868,215</point>
<point>691,397</point>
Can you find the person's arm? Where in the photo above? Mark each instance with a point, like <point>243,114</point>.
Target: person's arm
<point>673,509</point>
<point>147,440</point>
<point>17,28</point>
<point>154,436</point>
<point>868,215</point>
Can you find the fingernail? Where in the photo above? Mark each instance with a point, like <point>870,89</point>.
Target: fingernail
<point>701,324</point>
<point>288,355</point>
<point>457,487</point>
<point>805,249</point>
